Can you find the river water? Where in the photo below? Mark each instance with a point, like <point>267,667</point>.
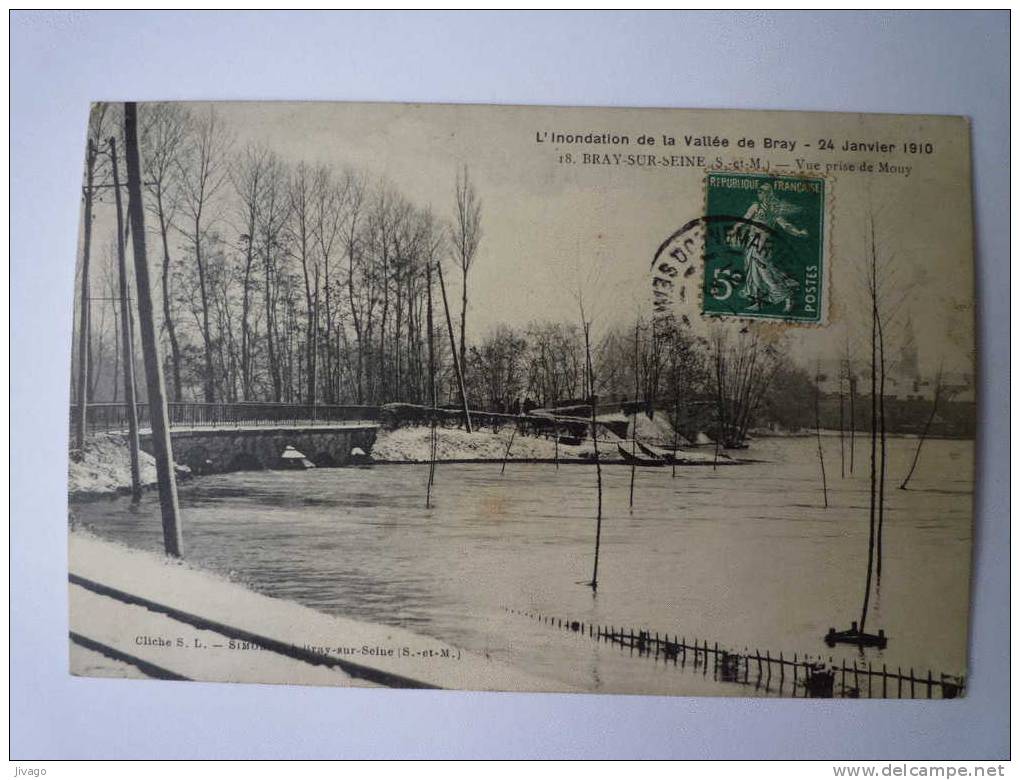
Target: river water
<point>743,555</point>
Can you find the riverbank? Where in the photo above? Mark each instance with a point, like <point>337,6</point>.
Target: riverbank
<point>412,445</point>
<point>138,614</point>
<point>103,468</point>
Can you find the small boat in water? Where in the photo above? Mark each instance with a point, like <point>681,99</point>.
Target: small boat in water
<point>634,459</point>
<point>855,637</point>
<point>659,453</point>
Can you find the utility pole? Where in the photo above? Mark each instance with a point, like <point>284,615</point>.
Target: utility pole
<point>160,421</point>
<point>453,349</point>
<point>127,335</point>
<point>83,313</point>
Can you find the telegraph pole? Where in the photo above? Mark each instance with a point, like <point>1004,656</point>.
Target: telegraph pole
<point>453,349</point>
<point>126,333</point>
<point>150,348</point>
<point>83,313</point>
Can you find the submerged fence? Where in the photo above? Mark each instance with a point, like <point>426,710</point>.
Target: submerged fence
<point>804,676</point>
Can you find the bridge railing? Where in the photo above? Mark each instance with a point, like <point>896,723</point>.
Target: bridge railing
<point>108,417</point>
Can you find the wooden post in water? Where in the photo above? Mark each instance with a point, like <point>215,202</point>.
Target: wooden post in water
<point>593,399</point>
<point>508,446</point>
<point>159,419</point>
<point>453,348</point>
<point>432,385</point>
<point>127,333</point>
<point>633,442</point>
<point>818,437</point>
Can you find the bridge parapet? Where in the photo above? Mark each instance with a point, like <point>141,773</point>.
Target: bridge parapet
<point>108,417</point>
<point>216,450</point>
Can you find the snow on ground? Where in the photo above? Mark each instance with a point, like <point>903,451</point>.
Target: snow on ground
<point>105,466</point>
<point>413,444</point>
<point>656,431</point>
<point>276,622</point>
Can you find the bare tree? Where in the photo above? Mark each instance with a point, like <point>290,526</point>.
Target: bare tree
<point>744,368</point>
<point>201,178</point>
<point>272,216</point>
<point>352,237</point>
<point>466,236</point>
<point>302,241</point>
<point>329,203</point>
<point>248,177</point>
<point>164,128</point>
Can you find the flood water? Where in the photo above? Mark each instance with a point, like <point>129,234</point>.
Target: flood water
<point>745,555</point>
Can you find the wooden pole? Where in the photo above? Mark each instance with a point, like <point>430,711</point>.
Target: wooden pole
<point>510,444</point>
<point>818,438</point>
<point>453,348</point>
<point>432,386</point>
<point>595,445</point>
<point>924,433</point>
<point>159,418</point>
<point>84,303</point>
<point>633,442</point>
<point>127,333</point>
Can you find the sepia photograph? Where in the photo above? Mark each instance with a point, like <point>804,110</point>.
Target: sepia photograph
<point>534,399</point>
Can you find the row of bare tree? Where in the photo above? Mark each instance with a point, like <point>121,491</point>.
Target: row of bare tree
<point>290,282</point>
<point>280,282</point>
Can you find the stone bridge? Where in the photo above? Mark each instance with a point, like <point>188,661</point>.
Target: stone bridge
<point>211,450</point>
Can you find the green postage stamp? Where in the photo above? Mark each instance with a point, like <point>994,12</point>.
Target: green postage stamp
<point>765,247</point>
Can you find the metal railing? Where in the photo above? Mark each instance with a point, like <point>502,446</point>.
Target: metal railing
<point>113,417</point>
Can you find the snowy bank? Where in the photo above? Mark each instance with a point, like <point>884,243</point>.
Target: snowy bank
<point>412,445</point>
<point>133,611</point>
<point>103,468</point>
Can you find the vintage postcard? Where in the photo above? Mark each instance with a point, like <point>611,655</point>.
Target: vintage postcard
<point>645,401</point>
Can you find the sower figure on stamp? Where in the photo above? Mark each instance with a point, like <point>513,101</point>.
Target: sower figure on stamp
<point>763,282</point>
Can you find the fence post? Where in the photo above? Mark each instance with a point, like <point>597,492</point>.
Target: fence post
<point>911,682</point>
<point>883,682</point>
<point>929,683</point>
